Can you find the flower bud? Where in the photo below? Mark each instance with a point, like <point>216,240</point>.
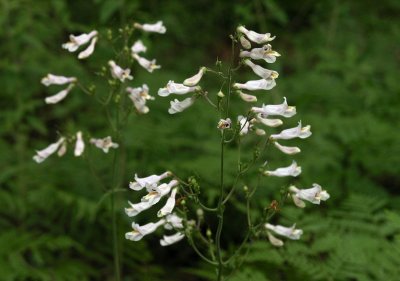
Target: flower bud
<point>220,94</point>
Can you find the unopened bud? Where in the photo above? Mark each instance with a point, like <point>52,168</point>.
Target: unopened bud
<point>221,94</point>
<point>245,188</point>
<point>109,34</point>
<point>208,233</point>
<point>200,213</point>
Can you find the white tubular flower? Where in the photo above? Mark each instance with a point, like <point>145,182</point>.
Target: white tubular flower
<point>224,124</point>
<point>254,36</point>
<point>171,239</point>
<point>293,171</point>
<point>260,132</point>
<point>268,122</point>
<point>195,79</point>
<point>245,125</point>
<point>79,145</point>
<point>42,155</point>
<point>149,65</point>
<point>290,150</point>
<point>244,42</point>
<point>296,132</point>
<point>52,79</point>
<point>157,27</point>
<point>139,96</point>
<point>173,222</point>
<point>62,150</point>
<point>139,232</point>
<point>254,85</point>
<point>176,88</point>
<point>273,240</point>
<point>313,195</point>
<point>89,50</point>
<point>76,41</point>
<point>105,144</point>
<point>152,180</point>
<point>289,232</point>
<point>261,71</point>
<point>119,73</point>
<point>264,53</point>
<point>157,192</point>
<point>59,96</point>
<point>247,97</point>
<point>135,209</point>
<point>138,47</point>
<point>276,109</point>
<point>179,106</point>
<point>169,206</point>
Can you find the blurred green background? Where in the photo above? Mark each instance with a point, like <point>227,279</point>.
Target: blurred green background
<point>340,66</point>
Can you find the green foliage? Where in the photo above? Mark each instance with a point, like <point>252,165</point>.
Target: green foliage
<point>359,240</point>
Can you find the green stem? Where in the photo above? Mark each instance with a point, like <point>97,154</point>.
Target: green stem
<point>220,208</point>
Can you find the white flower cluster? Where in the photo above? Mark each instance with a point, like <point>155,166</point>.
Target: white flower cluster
<point>139,95</point>
<point>262,116</point>
<point>155,192</point>
<point>190,85</point>
<point>61,147</point>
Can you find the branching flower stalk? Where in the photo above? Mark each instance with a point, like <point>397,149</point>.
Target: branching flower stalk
<point>256,121</point>
<point>120,102</point>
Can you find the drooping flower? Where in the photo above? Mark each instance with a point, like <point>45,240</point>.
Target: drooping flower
<point>261,71</point>
<point>62,150</point>
<point>139,97</point>
<point>254,36</point>
<point>276,109</point>
<point>173,222</point>
<point>43,154</point>
<point>149,65</point>
<point>254,85</point>
<point>264,53</point>
<point>77,41</point>
<point>152,180</point>
<point>169,206</point>
<point>79,145</point>
<point>157,192</point>
<point>105,144</point>
<point>51,79</point>
<point>176,88</point>
<point>267,122</point>
<point>179,106</point>
<point>59,96</point>
<point>195,79</point>
<point>138,47</point>
<point>89,50</point>
<point>171,239</point>
<point>137,208</point>
<point>119,73</point>
<point>313,195</point>
<point>293,171</point>
<point>224,124</point>
<point>289,232</point>
<point>244,124</point>
<point>296,132</point>
<point>157,27</point>
<point>247,97</point>
<point>244,42</point>
<point>290,150</point>
<point>274,241</point>
<point>138,232</point>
